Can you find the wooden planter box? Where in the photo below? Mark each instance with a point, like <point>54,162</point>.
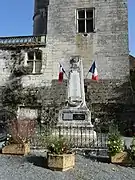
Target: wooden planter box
<point>120,158</point>
<point>16,149</point>
<point>61,162</point>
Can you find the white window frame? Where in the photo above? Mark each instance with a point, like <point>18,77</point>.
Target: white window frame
<point>85,19</point>
<point>34,61</point>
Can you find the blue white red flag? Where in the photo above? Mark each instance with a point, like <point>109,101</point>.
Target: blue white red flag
<point>93,70</point>
<point>61,73</point>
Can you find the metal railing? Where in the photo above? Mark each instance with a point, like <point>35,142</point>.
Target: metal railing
<point>78,136</point>
<point>22,41</point>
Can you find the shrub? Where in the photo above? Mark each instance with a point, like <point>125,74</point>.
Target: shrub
<point>21,130</point>
<point>115,143</point>
<point>58,145</point>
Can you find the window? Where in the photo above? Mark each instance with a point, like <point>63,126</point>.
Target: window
<point>85,20</point>
<point>34,61</point>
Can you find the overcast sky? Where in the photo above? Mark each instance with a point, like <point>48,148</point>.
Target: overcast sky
<point>16,19</point>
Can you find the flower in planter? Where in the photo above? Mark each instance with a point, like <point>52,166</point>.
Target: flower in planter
<point>60,157</point>
<point>115,143</point>
<point>58,145</point>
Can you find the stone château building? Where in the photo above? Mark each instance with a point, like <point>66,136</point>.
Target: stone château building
<point>96,31</point>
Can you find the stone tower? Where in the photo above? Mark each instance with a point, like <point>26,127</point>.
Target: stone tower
<point>40,17</point>
<point>95,30</point>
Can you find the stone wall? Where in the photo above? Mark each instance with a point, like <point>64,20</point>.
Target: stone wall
<point>5,65</point>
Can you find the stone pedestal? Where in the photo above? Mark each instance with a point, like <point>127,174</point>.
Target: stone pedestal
<point>75,124</point>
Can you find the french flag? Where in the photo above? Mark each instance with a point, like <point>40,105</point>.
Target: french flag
<point>94,72</point>
<point>61,73</point>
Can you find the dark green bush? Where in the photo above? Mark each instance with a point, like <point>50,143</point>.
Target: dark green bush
<point>115,143</point>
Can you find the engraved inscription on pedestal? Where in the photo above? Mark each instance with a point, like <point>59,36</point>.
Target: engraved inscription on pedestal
<point>79,117</point>
<point>73,116</point>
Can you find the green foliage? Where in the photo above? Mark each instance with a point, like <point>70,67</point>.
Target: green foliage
<point>58,145</point>
<point>18,69</point>
<point>115,143</point>
<point>12,93</point>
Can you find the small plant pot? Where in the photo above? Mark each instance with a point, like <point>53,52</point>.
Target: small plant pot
<point>16,149</point>
<point>61,162</point>
<point>120,158</point>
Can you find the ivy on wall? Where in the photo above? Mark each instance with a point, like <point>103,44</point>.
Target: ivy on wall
<point>18,69</point>
<point>14,94</point>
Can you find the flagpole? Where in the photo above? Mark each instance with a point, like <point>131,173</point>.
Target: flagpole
<point>86,75</point>
<point>66,74</point>
<point>65,71</point>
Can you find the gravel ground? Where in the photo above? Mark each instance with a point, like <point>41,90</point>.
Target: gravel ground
<point>32,168</point>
